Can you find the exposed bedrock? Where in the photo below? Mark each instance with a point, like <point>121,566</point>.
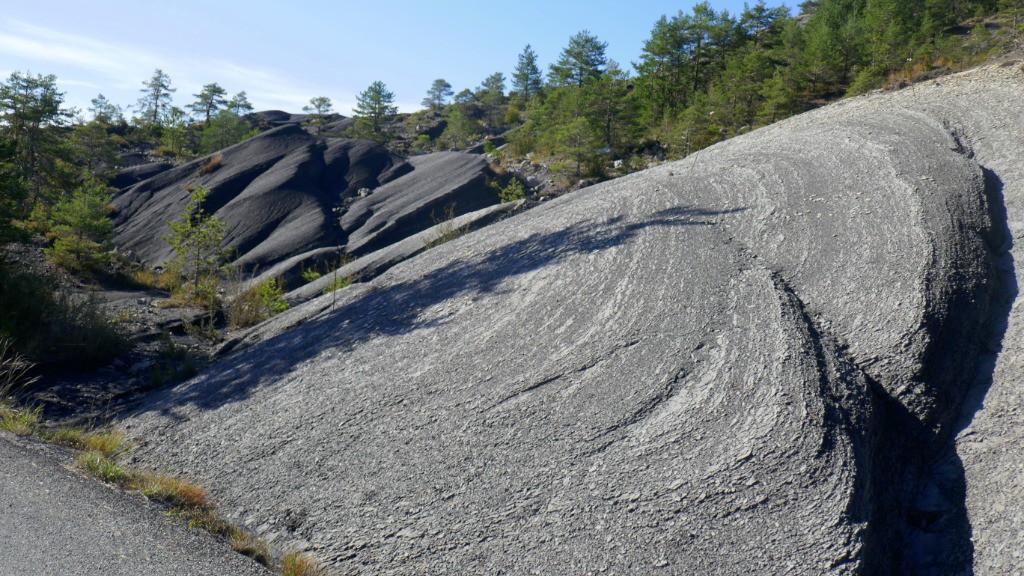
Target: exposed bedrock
<point>755,360</point>
<point>282,193</point>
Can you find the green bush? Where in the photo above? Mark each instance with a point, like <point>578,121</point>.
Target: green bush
<point>513,191</point>
<point>81,230</point>
<point>46,322</point>
<point>256,304</point>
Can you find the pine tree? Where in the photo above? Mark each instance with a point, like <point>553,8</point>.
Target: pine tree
<point>32,116</point>
<point>155,103</point>
<point>438,95</point>
<point>318,109</point>
<point>105,112</point>
<point>239,104</point>
<point>196,238</point>
<point>491,95</point>
<point>526,79</point>
<point>208,101</point>
<point>374,109</point>
<point>82,230</point>
<point>582,61</point>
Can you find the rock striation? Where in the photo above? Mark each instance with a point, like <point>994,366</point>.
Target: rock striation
<point>794,352</point>
<point>282,193</point>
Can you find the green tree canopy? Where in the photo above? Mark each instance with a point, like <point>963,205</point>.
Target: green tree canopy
<point>155,103</point>
<point>106,112</point>
<point>582,61</point>
<point>239,104</point>
<point>31,116</point>
<point>374,109</point>
<point>318,109</point>
<point>208,101</point>
<point>438,95</point>
<point>526,79</point>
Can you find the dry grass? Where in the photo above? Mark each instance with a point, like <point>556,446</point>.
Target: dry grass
<point>212,164</point>
<point>172,490</point>
<point>150,278</point>
<point>245,543</point>
<point>299,564</point>
<point>107,442</point>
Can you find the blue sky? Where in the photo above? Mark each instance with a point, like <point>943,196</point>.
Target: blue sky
<point>283,54</point>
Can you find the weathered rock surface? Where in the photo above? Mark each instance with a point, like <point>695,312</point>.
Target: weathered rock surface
<point>754,360</point>
<point>54,522</point>
<point>419,200</point>
<point>376,263</point>
<point>134,174</point>
<point>281,194</point>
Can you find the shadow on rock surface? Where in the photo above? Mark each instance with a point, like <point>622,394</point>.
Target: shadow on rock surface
<point>395,309</point>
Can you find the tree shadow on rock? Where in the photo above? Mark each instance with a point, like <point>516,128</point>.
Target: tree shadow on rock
<point>395,309</point>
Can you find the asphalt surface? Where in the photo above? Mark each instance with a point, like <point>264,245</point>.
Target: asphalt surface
<point>56,522</point>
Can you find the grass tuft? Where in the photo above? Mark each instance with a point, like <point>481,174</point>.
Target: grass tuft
<point>19,421</point>
<point>299,564</point>
<point>107,442</point>
<point>102,467</point>
<point>445,229</point>
<point>245,543</point>
<point>172,490</point>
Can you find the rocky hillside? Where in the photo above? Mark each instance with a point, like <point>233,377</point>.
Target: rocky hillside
<point>286,193</point>
<point>795,352</point>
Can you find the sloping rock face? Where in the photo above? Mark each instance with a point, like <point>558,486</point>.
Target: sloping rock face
<point>282,192</point>
<point>755,360</point>
<point>418,201</point>
<point>275,191</point>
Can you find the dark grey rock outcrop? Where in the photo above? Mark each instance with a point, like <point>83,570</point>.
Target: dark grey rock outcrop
<point>755,360</point>
<point>276,192</point>
<point>283,192</point>
<point>135,174</point>
<point>418,201</point>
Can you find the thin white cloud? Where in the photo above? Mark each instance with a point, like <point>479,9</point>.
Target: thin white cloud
<point>123,67</point>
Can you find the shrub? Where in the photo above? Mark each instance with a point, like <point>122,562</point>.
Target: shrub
<point>46,322</point>
<point>340,281</point>
<point>310,274</point>
<point>256,304</point>
<point>81,230</point>
<point>513,191</point>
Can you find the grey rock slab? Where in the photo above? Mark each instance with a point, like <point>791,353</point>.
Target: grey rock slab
<point>755,359</point>
<point>54,522</point>
<point>418,200</point>
<point>358,271</point>
<point>376,263</point>
<point>276,191</point>
<point>556,392</point>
